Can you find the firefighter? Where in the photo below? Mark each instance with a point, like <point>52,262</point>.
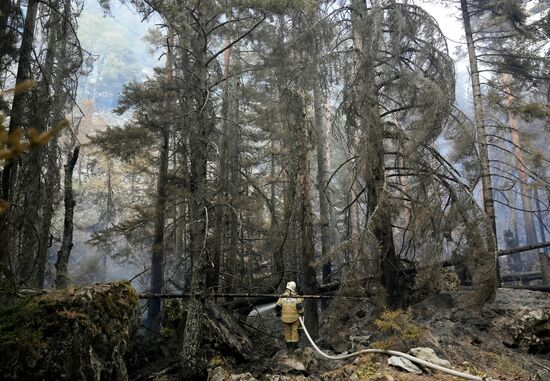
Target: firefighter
<point>289,309</point>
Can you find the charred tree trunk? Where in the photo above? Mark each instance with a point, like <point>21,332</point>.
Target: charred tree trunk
<point>158,252</point>
<point>62,264</point>
<point>10,217</point>
<point>367,24</point>
<point>489,285</point>
<point>40,191</point>
<point>220,214</point>
<point>158,249</point>
<point>58,103</point>
<point>198,139</point>
<point>305,187</point>
<point>6,36</point>
<point>278,254</point>
<point>323,168</point>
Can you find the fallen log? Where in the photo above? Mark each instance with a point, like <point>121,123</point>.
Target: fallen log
<point>267,297</point>
<point>523,248</point>
<point>531,288</point>
<point>521,277</point>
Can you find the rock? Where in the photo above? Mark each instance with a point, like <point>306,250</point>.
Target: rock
<point>221,374</point>
<point>520,318</point>
<point>70,334</point>
<point>404,364</point>
<point>293,364</point>
<point>276,377</point>
<point>218,374</point>
<point>382,377</point>
<point>354,377</point>
<point>348,370</point>
<point>309,358</point>
<point>428,354</point>
<point>363,341</point>
<point>339,344</point>
<point>243,377</point>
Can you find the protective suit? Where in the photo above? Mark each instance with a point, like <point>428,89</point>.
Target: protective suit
<point>289,308</point>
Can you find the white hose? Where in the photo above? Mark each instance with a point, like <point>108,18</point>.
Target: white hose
<point>428,364</point>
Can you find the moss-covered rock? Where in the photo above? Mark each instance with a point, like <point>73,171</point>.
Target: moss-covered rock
<point>71,334</point>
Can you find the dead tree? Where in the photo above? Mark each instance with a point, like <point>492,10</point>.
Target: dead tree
<point>62,278</point>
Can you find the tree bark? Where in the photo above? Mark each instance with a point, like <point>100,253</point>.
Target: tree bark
<point>323,167</point>
<point>158,251</point>
<point>544,254</point>
<point>530,231</point>
<point>199,135</point>
<point>308,246</point>
<point>40,191</point>
<point>366,25</point>
<point>62,278</point>
<point>8,219</point>
<point>487,189</point>
<point>6,9</point>
<point>219,212</point>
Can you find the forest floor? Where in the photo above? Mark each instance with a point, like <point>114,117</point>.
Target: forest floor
<point>493,342</point>
<point>509,339</point>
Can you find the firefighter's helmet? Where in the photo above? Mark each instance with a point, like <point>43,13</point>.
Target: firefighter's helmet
<point>291,286</point>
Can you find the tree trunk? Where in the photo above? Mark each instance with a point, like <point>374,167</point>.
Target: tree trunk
<point>62,26</point>
<point>219,212</point>
<point>489,285</point>
<point>308,246</point>
<point>8,218</point>
<point>158,252</point>
<point>40,192</point>
<point>323,168</point>
<point>199,135</point>
<point>530,231</point>
<point>158,249</point>
<point>6,9</point>
<point>50,187</point>
<point>511,237</point>
<point>544,254</point>
<point>62,278</point>
<point>366,28</point>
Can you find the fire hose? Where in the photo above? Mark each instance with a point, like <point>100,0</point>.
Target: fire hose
<point>425,363</point>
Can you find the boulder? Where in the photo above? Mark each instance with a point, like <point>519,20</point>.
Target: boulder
<point>70,334</point>
<point>404,364</point>
<point>428,354</point>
